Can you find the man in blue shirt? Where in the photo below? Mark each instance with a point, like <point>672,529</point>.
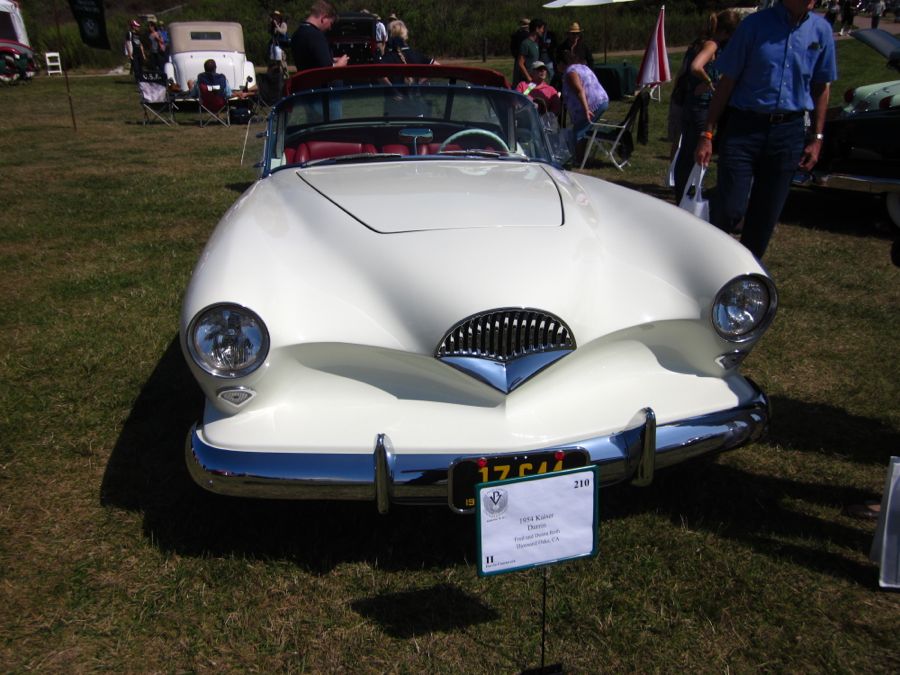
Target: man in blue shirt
<point>214,81</point>
<point>777,67</point>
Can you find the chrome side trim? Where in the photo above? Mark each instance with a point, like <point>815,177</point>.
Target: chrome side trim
<point>388,477</point>
<point>856,183</point>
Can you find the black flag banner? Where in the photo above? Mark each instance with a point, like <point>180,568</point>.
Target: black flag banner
<point>91,24</point>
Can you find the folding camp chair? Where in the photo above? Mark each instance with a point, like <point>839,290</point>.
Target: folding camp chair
<point>270,87</point>
<point>156,101</point>
<point>616,140</point>
<point>212,106</point>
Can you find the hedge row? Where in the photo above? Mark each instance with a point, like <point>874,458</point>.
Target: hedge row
<point>438,27</point>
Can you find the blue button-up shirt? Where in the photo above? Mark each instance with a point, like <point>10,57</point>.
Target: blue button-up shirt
<point>774,62</point>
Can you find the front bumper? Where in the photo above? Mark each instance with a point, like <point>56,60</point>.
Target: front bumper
<point>387,477</point>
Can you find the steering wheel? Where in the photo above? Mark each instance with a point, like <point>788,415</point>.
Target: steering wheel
<point>474,132</point>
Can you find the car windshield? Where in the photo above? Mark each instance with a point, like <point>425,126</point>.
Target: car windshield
<point>396,122</point>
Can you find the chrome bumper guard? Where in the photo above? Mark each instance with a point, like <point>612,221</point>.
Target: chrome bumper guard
<point>410,478</point>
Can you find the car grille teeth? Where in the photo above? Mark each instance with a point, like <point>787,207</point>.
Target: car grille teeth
<point>506,334</point>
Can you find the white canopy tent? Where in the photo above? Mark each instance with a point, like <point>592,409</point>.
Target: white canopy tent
<point>12,26</point>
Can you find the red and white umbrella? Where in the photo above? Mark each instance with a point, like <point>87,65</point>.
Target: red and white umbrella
<point>654,68</point>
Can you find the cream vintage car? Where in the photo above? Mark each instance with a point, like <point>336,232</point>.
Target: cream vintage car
<point>193,42</point>
<point>416,297</point>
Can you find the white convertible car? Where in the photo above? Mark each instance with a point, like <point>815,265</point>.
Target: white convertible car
<point>193,42</point>
<point>416,297</point>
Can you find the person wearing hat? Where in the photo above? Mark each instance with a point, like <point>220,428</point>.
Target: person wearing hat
<point>515,39</point>
<point>540,90</point>
<point>381,34</point>
<point>278,27</point>
<point>529,52</point>
<point>575,43</point>
<point>278,33</point>
<point>134,49</point>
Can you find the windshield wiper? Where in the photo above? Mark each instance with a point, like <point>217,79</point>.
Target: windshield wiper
<point>357,157</point>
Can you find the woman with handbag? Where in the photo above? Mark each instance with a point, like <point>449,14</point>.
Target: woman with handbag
<point>699,85</point>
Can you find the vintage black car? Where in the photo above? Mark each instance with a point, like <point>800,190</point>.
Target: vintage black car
<point>861,151</point>
<point>353,34</point>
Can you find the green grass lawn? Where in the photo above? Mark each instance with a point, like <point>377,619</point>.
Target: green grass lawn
<point>111,559</point>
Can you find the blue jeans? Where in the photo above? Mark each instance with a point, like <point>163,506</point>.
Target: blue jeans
<point>757,159</point>
<point>693,121</point>
<point>582,128</point>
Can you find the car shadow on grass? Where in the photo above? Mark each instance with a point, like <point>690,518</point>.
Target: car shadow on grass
<point>442,608</point>
<point>831,431</point>
<point>853,213</point>
<point>146,473</point>
<point>798,521</point>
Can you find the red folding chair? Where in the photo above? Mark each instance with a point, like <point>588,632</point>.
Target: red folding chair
<point>213,106</point>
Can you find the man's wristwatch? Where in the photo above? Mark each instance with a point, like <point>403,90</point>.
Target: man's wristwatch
<point>819,137</point>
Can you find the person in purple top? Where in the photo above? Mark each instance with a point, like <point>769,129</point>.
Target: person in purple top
<point>775,71</point>
<point>583,95</point>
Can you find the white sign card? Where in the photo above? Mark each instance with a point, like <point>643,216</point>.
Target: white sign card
<point>536,520</point>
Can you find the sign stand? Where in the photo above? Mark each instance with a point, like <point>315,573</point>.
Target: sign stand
<point>556,668</point>
<point>536,521</point>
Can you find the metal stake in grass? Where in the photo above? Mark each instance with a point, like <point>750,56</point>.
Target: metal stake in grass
<point>62,62</point>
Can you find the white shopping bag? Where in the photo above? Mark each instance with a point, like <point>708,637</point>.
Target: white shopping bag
<point>696,204</point>
<point>670,179</point>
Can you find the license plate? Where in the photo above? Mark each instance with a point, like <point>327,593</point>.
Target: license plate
<point>466,473</point>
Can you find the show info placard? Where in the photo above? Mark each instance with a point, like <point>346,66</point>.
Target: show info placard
<point>536,520</point>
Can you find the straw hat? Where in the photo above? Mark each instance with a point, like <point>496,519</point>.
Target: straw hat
<point>524,22</point>
<point>575,28</point>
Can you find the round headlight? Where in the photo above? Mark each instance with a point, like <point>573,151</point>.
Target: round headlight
<point>228,340</point>
<point>744,308</point>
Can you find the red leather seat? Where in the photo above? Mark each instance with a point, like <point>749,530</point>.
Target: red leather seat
<point>432,148</point>
<point>311,150</point>
<point>396,149</point>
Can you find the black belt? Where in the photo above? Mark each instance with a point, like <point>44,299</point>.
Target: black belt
<point>771,118</point>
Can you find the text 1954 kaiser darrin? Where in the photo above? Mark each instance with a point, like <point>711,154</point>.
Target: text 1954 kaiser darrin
<point>415,298</point>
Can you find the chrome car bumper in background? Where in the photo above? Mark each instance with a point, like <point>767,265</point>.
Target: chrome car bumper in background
<point>389,478</point>
<point>855,182</point>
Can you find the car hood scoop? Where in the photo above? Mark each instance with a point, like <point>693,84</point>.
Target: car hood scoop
<point>413,196</point>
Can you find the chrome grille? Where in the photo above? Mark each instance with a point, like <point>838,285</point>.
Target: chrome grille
<point>506,334</point>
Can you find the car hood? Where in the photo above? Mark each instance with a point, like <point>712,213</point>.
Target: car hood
<point>300,248</point>
<point>413,196</point>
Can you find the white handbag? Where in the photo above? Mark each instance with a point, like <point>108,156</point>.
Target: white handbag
<point>670,179</point>
<point>695,204</point>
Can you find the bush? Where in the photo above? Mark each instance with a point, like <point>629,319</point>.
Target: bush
<point>437,27</point>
